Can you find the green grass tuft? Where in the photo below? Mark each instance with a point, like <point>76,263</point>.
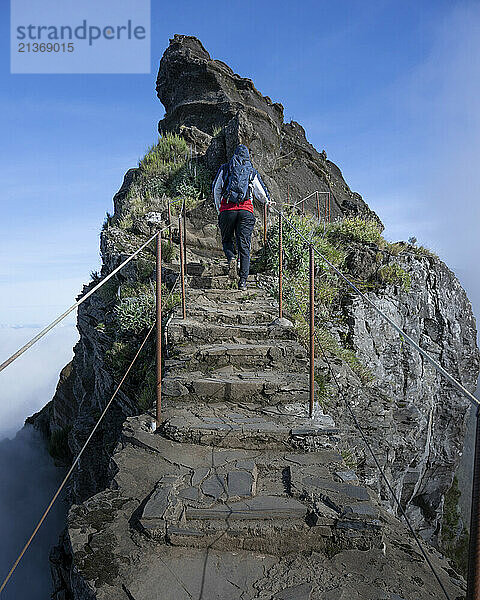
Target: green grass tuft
<point>359,229</point>
<point>395,275</point>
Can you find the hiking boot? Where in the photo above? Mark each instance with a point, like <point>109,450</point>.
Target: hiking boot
<point>242,284</point>
<point>232,268</point>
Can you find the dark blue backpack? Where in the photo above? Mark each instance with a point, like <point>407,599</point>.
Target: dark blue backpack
<point>239,173</point>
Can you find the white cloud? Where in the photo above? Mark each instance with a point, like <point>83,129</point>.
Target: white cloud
<point>29,383</point>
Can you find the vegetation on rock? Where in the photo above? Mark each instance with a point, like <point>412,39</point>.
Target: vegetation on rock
<point>168,169</point>
<point>455,538</point>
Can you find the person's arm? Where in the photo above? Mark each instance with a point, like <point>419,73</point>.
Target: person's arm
<point>260,190</point>
<point>217,187</point>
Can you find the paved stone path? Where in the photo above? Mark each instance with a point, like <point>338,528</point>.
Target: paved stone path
<point>238,495</point>
<point>237,384</point>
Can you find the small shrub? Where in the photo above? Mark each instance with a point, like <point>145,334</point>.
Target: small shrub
<point>324,391</point>
<point>422,251</point>
<point>349,458</point>
<point>118,357</point>
<point>295,249</point>
<point>95,277</point>
<point>135,311</point>
<point>359,229</point>
<point>395,249</point>
<point>169,148</point>
<point>107,221</point>
<point>190,183</point>
<point>147,394</point>
<point>170,300</point>
<point>169,251</point>
<point>330,344</point>
<point>109,290</point>
<point>135,314</point>
<point>145,268</point>
<point>395,275</point>
<point>140,206</point>
<point>126,222</point>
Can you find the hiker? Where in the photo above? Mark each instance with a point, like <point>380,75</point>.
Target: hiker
<point>233,188</point>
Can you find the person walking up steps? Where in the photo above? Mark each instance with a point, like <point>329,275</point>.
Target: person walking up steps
<point>233,189</point>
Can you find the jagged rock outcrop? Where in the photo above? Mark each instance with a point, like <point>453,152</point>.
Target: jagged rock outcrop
<point>134,489</point>
<point>216,109</point>
<point>416,420</point>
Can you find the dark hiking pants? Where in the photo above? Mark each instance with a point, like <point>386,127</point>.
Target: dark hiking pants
<point>238,224</point>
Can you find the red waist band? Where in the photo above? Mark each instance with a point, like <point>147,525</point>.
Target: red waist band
<point>245,205</point>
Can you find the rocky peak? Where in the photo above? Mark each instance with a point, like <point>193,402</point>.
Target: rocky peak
<point>215,109</point>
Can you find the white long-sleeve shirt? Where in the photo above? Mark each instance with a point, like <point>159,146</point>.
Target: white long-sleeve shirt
<point>256,187</point>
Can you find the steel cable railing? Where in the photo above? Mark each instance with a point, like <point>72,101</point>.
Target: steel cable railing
<point>372,452</point>
<point>74,464</point>
<point>379,311</point>
<point>180,277</point>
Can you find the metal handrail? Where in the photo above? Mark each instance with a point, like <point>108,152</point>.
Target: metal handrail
<point>314,338</point>
<point>378,310</point>
<point>60,318</point>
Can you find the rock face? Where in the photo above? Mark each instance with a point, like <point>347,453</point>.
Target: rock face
<point>237,494</point>
<point>216,109</point>
<point>415,418</point>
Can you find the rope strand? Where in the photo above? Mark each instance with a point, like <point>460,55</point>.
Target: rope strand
<point>44,331</point>
<point>399,330</point>
<point>74,464</point>
<point>370,449</point>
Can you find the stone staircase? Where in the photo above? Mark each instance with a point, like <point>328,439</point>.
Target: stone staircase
<point>252,471</point>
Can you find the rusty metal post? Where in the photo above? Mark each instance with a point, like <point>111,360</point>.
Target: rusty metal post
<point>473,575</point>
<point>169,221</point>
<point>280,266</point>
<point>158,312</point>
<point>185,235</point>
<point>329,207</point>
<point>264,224</point>
<point>312,332</point>
<point>182,267</point>
<point>317,198</point>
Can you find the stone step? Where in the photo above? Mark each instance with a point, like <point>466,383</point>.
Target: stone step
<point>236,499</point>
<point>250,293</point>
<point>218,282</point>
<point>217,425</point>
<point>196,331</point>
<point>280,354</point>
<point>230,314</point>
<point>260,507</point>
<point>207,269</point>
<point>264,387</point>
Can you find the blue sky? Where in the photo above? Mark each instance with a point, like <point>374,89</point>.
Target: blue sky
<point>389,89</point>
